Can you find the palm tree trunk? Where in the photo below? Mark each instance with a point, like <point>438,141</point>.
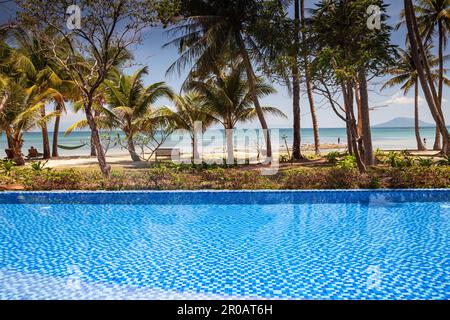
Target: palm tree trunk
<point>17,150</point>
<point>423,70</point>
<point>369,159</point>
<point>230,146</point>
<point>309,90</point>
<point>45,140</point>
<point>93,148</point>
<point>95,139</point>
<point>296,147</point>
<point>132,150</point>
<point>420,144</point>
<point>56,132</point>
<point>9,137</point>
<point>93,151</point>
<point>437,145</point>
<point>437,140</point>
<point>312,107</point>
<point>195,153</point>
<point>252,84</point>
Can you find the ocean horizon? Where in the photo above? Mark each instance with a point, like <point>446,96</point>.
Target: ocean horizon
<point>383,138</point>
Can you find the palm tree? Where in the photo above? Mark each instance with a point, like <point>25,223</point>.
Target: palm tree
<point>5,55</point>
<point>229,99</point>
<point>20,113</point>
<point>129,101</point>
<point>405,74</point>
<point>424,73</point>
<point>31,58</point>
<point>190,110</point>
<point>21,101</point>
<point>308,83</point>
<point>216,27</point>
<point>432,16</point>
<point>296,145</point>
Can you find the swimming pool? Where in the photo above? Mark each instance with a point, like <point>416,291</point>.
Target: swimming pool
<point>224,245</point>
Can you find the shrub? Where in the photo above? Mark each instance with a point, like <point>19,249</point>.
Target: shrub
<point>425,162</point>
<point>342,178</point>
<point>332,157</point>
<point>68,179</point>
<point>38,166</point>
<point>158,175</point>
<point>349,162</point>
<point>408,161</point>
<point>418,177</point>
<point>7,166</point>
<point>375,183</point>
<point>394,160</point>
<point>284,158</point>
<point>444,162</point>
<point>325,178</point>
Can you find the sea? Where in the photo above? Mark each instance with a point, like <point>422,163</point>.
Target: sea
<point>383,138</point>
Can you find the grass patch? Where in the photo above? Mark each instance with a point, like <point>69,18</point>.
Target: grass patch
<point>218,178</point>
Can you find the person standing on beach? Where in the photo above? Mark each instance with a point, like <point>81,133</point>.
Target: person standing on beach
<point>339,140</point>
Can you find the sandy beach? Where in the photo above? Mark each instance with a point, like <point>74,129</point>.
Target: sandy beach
<point>123,159</point>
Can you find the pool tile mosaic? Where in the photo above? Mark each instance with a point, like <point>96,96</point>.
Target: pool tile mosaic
<point>223,245</point>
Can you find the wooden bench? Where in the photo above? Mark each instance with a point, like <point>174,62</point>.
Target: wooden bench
<point>167,153</point>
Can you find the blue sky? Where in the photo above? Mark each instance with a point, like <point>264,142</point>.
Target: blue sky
<point>151,54</point>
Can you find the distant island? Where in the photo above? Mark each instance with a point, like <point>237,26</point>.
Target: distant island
<point>403,123</point>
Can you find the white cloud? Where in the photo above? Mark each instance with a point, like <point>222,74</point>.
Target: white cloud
<point>399,99</point>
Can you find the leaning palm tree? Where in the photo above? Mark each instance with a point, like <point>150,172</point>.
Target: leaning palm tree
<point>129,102</point>
<point>20,113</point>
<point>5,55</point>
<point>433,19</point>
<point>190,111</point>
<point>229,99</point>
<point>31,59</point>
<point>405,74</point>
<point>216,27</point>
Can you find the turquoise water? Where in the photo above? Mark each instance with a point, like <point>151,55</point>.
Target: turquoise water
<point>392,138</point>
<point>197,245</point>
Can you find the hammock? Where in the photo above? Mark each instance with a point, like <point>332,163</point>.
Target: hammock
<point>71,147</point>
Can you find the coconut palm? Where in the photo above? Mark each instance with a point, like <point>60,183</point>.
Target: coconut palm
<point>405,74</point>
<point>415,38</point>
<point>229,99</point>
<point>20,113</point>
<point>32,59</point>
<point>433,19</point>
<point>20,104</point>
<point>216,27</point>
<point>190,111</point>
<point>432,16</point>
<point>5,55</point>
<point>129,103</point>
<point>308,83</point>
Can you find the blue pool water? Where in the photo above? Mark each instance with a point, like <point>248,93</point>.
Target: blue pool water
<point>200,245</point>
